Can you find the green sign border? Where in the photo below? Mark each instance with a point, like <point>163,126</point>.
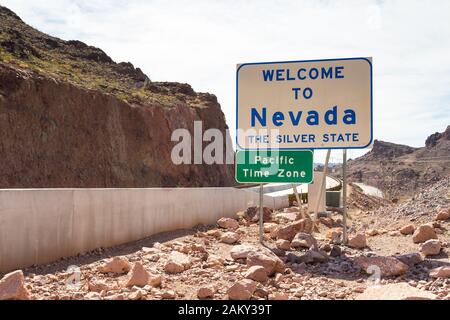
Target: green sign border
<point>280,151</point>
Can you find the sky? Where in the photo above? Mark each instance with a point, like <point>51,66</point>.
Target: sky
<point>200,42</point>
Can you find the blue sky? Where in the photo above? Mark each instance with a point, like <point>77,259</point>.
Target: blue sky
<point>200,43</point>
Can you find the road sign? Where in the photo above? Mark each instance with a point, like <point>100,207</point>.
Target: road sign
<point>316,104</point>
<point>274,166</point>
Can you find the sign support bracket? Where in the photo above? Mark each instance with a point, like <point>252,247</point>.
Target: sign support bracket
<point>261,214</point>
<point>344,196</point>
<point>322,183</point>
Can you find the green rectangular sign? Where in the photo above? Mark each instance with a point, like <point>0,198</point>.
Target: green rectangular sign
<point>267,166</point>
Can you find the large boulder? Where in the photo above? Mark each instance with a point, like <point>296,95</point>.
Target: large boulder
<point>289,231</point>
<point>431,247</point>
<point>242,290</point>
<point>389,266</point>
<point>395,291</point>
<point>118,265</point>
<point>423,233</point>
<point>228,223</point>
<point>12,287</point>
<point>304,240</point>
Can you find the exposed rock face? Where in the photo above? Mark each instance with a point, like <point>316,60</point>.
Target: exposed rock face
<point>388,165</point>
<point>91,122</point>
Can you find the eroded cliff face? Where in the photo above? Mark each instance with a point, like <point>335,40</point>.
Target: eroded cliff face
<point>72,117</point>
<point>55,134</point>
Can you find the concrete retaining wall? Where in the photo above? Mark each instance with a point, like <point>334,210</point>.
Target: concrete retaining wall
<point>40,226</point>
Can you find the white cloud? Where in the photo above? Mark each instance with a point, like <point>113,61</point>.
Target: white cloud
<point>200,42</point>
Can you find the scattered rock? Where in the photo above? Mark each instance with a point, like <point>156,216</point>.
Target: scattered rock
<point>336,251</point>
<point>269,227</point>
<point>372,232</point>
<point>278,296</point>
<point>216,233</point>
<point>140,277</point>
<point>252,214</point>
<point>256,273</point>
<point>12,287</point>
<point>410,259</point>
<point>289,231</point>
<point>117,265</point>
<point>269,261</point>
<point>283,244</point>
<point>242,290</point>
<point>423,233</point>
<point>431,247</point>
<point>98,286</point>
<point>311,256</point>
<point>177,263</point>
<point>137,295</point>
<point>358,241</point>
<point>206,292</point>
<point>241,251</point>
<point>229,237</point>
<point>395,291</point>
<point>304,240</point>
<point>440,272</point>
<point>408,229</point>
<point>170,294</point>
<point>389,266</point>
<point>228,223</point>
<point>92,296</point>
<point>443,215</point>
<point>335,235</point>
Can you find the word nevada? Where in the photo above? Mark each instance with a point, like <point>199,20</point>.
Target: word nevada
<point>332,117</point>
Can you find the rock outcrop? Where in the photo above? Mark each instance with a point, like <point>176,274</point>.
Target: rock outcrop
<point>72,117</point>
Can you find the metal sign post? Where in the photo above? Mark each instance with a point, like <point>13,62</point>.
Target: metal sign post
<point>322,183</point>
<point>294,187</point>
<point>344,196</point>
<point>261,214</point>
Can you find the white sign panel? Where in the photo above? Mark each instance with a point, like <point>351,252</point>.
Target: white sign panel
<point>316,104</point>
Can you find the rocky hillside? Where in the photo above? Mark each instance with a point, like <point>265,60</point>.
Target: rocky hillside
<point>401,170</point>
<point>72,117</point>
